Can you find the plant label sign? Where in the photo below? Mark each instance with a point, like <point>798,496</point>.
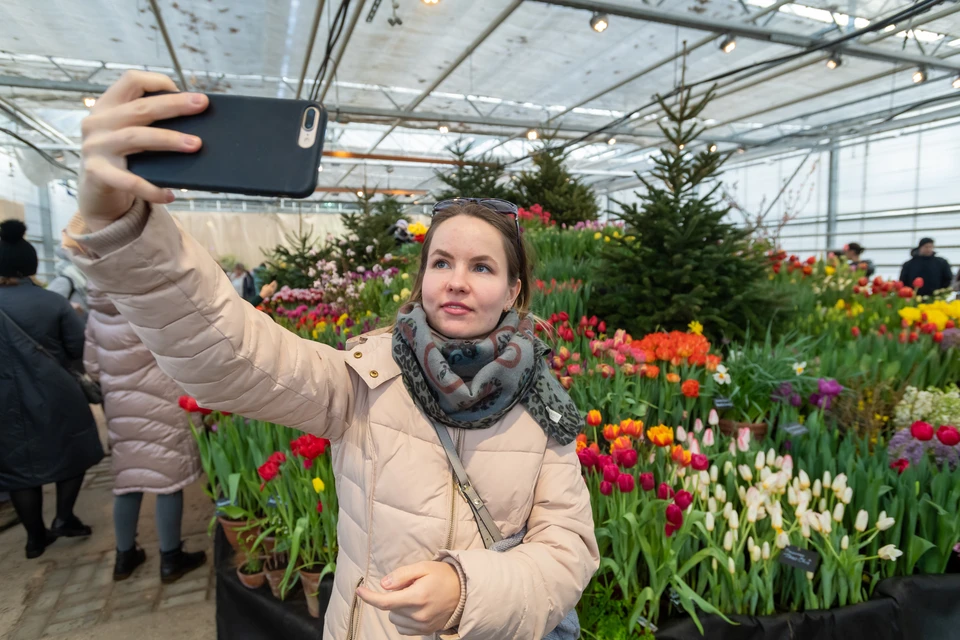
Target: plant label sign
<point>722,402</point>
<point>796,429</point>
<point>800,558</point>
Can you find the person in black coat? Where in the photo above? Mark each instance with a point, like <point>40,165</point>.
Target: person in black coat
<point>47,432</point>
<point>926,264</point>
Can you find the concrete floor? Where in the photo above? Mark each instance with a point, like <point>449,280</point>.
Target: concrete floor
<point>69,592</point>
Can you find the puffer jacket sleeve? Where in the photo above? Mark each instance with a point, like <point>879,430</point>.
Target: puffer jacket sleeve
<point>525,592</point>
<point>91,363</point>
<point>217,347</point>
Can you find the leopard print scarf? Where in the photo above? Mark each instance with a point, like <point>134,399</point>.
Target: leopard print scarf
<point>472,384</point>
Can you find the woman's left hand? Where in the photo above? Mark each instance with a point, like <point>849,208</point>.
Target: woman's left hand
<point>421,597</point>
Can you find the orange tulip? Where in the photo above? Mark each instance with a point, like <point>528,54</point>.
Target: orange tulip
<point>673,378</point>
<point>620,444</point>
<point>594,447</point>
<point>632,428</point>
<point>594,418</point>
<point>712,363</point>
<point>661,436</point>
<point>611,432</point>
<point>651,371</point>
<point>690,388</point>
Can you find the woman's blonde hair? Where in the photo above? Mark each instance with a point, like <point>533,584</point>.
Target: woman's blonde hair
<point>519,265</point>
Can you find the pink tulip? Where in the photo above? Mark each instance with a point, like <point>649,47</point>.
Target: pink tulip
<point>606,488</point>
<point>713,419</point>
<point>708,440</point>
<point>743,439</point>
<point>733,448</point>
<point>681,435</point>
<point>620,359</point>
<point>611,473</point>
<point>692,444</point>
<point>698,426</point>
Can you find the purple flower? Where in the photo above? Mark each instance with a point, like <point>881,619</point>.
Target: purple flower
<point>822,401</point>
<point>829,387</point>
<point>796,400</point>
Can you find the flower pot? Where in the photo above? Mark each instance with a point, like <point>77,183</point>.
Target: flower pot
<point>311,585</point>
<point>731,427</point>
<point>269,545</point>
<point>274,578</point>
<point>232,530</point>
<point>251,580</point>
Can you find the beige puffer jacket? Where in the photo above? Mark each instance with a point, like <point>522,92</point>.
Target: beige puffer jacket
<point>398,504</point>
<point>152,448</point>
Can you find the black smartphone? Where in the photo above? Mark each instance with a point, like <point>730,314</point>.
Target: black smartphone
<point>254,146</point>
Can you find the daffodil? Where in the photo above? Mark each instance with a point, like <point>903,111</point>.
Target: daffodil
<point>695,328</point>
<point>799,368</point>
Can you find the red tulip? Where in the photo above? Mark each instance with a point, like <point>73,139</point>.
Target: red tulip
<point>918,283</point>
<point>948,435</point>
<point>664,492</point>
<point>594,418</point>
<point>922,431</point>
<point>627,457</point>
<point>699,462</point>
<point>563,316</point>
<point>268,470</point>
<point>611,473</point>
<point>625,482</point>
<point>811,260</point>
<point>938,337</point>
<point>882,330</point>
<point>951,324</point>
<point>588,459</point>
<point>606,488</point>
<point>604,461</point>
<point>914,336</point>
<point>855,331</point>
<point>188,403</point>
<point>602,327</point>
<point>900,465</point>
<point>646,481</point>
<point>690,389</point>
<point>863,282</point>
<point>683,499</point>
<point>903,337</point>
<point>319,507</point>
<point>674,519</point>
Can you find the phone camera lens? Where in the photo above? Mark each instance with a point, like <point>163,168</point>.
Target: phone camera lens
<point>310,120</point>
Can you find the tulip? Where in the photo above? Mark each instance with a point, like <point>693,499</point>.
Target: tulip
<point>825,525</point>
<point>817,489</point>
<point>710,524</point>
<point>776,519</point>
<point>745,473</point>
<point>755,555</point>
<point>845,543</point>
<point>783,539</point>
<point>714,473</point>
<point>884,523</point>
<point>708,439</point>
<point>743,439</point>
<point>760,462</point>
<point>594,418</point>
<point>787,464</point>
<point>606,488</point>
<point>752,513</point>
<point>699,462</point>
<point>727,510</point>
<point>611,473</point>
<point>765,473</point>
<point>626,483</point>
<point>948,435</point>
<point>698,426</point>
<point>839,483</point>
<point>823,504</point>
<point>728,541</point>
<point>664,492</point>
<point>611,432</point>
<point>847,495</point>
<point>683,499</point>
<point>861,523</point>
<point>827,479</point>
<point>771,457</point>
<point>681,435</point>
<point>731,567</point>
<point>889,552</point>
<point>804,480</point>
<point>750,543</point>
<point>721,494</point>
<point>714,565</point>
<point>810,576</point>
<point>628,458</point>
<point>713,419</point>
<point>704,478</point>
<point>566,382</point>
<point>734,520</point>
<point>646,481</point>
<point>838,512</point>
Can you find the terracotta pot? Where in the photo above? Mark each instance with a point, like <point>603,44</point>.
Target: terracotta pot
<point>251,580</point>
<point>232,530</point>
<point>731,427</point>
<point>269,545</point>
<point>274,578</point>
<point>311,585</point>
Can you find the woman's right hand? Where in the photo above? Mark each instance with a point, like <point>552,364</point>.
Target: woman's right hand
<point>118,125</point>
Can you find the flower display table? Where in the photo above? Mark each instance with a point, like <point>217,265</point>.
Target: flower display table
<point>902,608</point>
<point>254,613</point>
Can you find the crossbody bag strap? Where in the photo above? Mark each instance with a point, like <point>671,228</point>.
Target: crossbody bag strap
<point>29,337</point>
<point>485,523</point>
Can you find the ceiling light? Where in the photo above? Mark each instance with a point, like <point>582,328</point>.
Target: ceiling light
<point>359,194</point>
<point>713,147</point>
<point>431,1</point>
<point>444,129</point>
<point>834,60</point>
<point>728,44</point>
<point>920,76</point>
<point>599,22</point>
<point>741,150</point>
<point>956,82</point>
<point>682,147</point>
<point>532,134</point>
<point>612,141</point>
<point>183,190</point>
<point>89,102</point>
<point>320,169</point>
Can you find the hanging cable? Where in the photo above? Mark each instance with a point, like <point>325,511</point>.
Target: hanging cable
<point>336,29</point>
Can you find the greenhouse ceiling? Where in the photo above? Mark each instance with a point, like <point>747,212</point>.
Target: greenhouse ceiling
<point>408,79</point>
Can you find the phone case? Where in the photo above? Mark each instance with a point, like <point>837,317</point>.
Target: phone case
<point>250,146</point>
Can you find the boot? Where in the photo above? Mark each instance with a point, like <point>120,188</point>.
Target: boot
<point>127,562</point>
<point>35,548</point>
<point>70,528</point>
<point>177,563</point>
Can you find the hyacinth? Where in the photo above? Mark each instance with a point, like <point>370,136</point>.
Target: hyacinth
<point>904,446</point>
<point>308,296</point>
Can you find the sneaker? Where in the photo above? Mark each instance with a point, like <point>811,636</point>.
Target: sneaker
<point>127,562</point>
<point>177,563</point>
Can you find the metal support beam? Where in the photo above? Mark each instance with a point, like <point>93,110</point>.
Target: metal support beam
<point>46,224</point>
<point>833,196</point>
<point>466,54</point>
<point>346,41</point>
<point>166,39</point>
<point>32,121</point>
<point>751,32</point>
<point>313,36</point>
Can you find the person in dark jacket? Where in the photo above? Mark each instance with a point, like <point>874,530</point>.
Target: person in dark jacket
<point>854,253</point>
<point>47,432</point>
<point>926,264</point>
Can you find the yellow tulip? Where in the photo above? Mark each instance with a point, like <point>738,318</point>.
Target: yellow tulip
<point>318,485</point>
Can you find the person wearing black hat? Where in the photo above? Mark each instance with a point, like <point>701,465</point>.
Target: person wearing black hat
<point>854,253</point>
<point>47,432</point>
<point>926,264</point>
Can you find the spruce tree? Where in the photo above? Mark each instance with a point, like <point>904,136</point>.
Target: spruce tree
<point>551,185</point>
<point>678,260</point>
<point>367,238</point>
<point>476,178</point>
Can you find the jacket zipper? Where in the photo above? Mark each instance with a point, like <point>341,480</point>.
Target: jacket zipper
<point>453,494</point>
<point>355,612</point>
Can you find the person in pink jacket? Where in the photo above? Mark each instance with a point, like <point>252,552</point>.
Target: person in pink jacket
<point>152,448</point>
<point>462,359</point>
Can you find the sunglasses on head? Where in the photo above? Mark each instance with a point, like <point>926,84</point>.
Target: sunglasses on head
<point>494,204</point>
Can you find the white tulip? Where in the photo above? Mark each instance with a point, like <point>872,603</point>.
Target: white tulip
<point>838,512</point>
<point>817,489</point>
<point>746,473</point>
<point>712,505</point>
<point>731,567</point>
<point>792,497</point>
<point>862,519</point>
<point>760,462</point>
<point>787,464</point>
<point>704,493</point>
<point>714,563</point>
<point>770,483</point>
<point>681,435</point>
<point>691,483</point>
<point>714,473</point>
<point>750,543</point>
<point>804,480</point>
<point>783,539</point>
<point>753,496</point>
<point>772,458</point>
<point>710,522</point>
<point>804,529</point>
<point>765,551</point>
<point>752,513</point>
<point>839,483</point>
<point>718,492</point>
<point>847,495</point>
<point>765,473</point>
<point>825,524</point>
<point>704,477</point>
<point>810,576</point>
<point>755,555</point>
<point>889,552</point>
<point>727,509</point>
<point>823,504</point>
<point>723,495</point>
<point>728,541</point>
<point>776,519</point>
<point>884,523</point>
<point>827,479</point>
<point>845,543</point>
<point>742,493</point>
<point>761,513</point>
<point>734,520</point>
<point>727,467</point>
<point>713,419</point>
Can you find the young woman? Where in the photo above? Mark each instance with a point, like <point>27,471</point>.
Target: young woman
<point>462,355</point>
<point>47,433</point>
